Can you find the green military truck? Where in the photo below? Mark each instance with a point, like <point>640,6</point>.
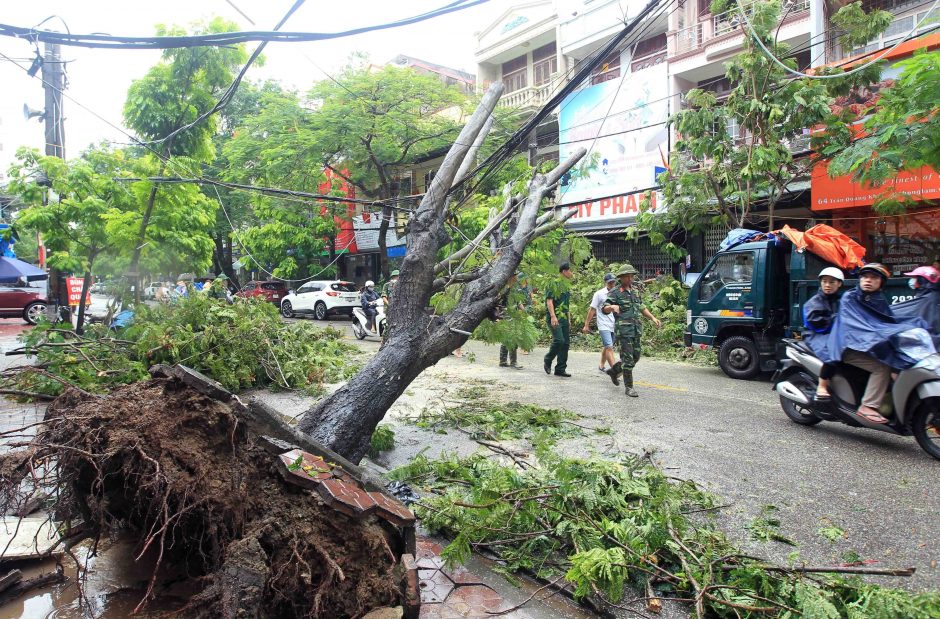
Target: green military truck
<point>750,296</point>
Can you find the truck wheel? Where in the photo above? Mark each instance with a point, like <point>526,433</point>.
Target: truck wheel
<point>738,357</point>
<point>926,426</point>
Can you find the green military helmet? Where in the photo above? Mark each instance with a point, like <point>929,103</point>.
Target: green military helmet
<point>626,269</point>
<point>393,273</point>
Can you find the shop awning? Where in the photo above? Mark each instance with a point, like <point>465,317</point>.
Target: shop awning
<point>602,232</point>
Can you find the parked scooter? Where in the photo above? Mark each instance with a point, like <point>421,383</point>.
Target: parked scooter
<point>912,405</point>
<point>360,322</point>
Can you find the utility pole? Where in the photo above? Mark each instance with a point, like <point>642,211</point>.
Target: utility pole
<point>53,82</point>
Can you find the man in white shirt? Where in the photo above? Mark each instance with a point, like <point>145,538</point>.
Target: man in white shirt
<point>605,326</point>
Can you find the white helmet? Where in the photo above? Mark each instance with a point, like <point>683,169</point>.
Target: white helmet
<point>370,284</point>
<point>832,272</point>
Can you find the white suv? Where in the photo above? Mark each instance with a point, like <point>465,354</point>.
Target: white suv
<point>321,298</point>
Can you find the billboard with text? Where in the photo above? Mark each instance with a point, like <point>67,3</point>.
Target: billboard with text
<point>622,124</point>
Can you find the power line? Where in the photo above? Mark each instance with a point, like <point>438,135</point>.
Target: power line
<point>217,39</point>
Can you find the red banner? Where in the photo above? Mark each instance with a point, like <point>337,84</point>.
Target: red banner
<point>74,285</point>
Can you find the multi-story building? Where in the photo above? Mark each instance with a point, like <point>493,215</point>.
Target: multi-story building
<point>619,113</point>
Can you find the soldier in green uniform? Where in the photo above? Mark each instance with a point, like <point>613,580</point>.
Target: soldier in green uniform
<point>389,288</point>
<point>626,305</point>
<point>557,296</point>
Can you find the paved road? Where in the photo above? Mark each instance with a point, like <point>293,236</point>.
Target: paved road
<point>732,437</point>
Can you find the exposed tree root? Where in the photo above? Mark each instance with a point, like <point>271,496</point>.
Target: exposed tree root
<point>192,483</point>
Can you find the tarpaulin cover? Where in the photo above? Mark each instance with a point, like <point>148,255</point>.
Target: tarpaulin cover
<point>925,306</point>
<point>738,236</point>
<point>827,243</point>
<point>865,323</point>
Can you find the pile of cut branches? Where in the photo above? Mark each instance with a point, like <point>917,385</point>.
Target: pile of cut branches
<point>610,526</point>
<point>242,346</point>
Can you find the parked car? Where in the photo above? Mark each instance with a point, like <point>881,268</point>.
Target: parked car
<point>23,302</point>
<point>271,290</point>
<point>150,292</point>
<point>321,298</point>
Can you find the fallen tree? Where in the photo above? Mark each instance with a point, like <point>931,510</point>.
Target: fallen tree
<point>197,481</point>
<point>417,337</point>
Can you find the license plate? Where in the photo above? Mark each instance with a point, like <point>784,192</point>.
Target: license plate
<point>349,297</point>
<point>277,297</point>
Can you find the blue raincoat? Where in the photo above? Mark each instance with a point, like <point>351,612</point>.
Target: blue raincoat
<point>925,305</point>
<point>866,324</point>
<point>819,312</point>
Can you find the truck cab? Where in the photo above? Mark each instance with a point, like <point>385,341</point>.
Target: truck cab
<point>751,296</point>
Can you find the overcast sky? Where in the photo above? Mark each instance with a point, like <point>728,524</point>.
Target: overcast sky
<point>98,79</point>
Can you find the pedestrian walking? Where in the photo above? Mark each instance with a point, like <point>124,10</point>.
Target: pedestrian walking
<point>605,327</point>
<point>624,303</point>
<point>557,297</point>
<point>388,290</point>
<point>515,297</point>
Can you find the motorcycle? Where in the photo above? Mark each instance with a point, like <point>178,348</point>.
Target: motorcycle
<point>912,404</point>
<point>360,322</point>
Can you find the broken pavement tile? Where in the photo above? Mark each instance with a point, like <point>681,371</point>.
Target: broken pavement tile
<point>310,472</point>
<point>392,510</point>
<point>434,586</point>
<point>347,498</point>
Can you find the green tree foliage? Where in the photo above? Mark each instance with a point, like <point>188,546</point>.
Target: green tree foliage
<point>370,122</point>
<point>276,147</point>
<point>77,206</point>
<point>186,83</point>
<point>242,345</point>
<point>735,153</point>
<point>903,133</point>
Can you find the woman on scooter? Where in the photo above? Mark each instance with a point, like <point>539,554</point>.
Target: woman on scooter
<point>818,314</point>
<point>368,297</point>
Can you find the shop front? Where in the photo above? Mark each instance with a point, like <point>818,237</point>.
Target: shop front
<point>901,241</point>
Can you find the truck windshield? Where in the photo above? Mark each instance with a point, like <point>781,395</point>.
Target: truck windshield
<point>732,268</point>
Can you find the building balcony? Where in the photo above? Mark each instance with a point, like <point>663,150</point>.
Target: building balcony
<point>907,14</point>
<point>724,25</point>
<point>531,97</point>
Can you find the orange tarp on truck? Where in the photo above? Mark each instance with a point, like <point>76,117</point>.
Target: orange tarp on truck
<point>827,243</point>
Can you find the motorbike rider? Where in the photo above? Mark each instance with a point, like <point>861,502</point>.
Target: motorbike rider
<point>368,298</point>
<point>818,314</point>
<point>868,301</point>
<point>923,280</point>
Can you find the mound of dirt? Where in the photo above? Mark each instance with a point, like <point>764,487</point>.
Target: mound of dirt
<point>185,475</point>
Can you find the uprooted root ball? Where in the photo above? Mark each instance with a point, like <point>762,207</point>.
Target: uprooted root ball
<point>191,482</point>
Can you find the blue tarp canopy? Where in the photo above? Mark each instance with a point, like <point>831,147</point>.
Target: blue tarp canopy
<point>11,270</point>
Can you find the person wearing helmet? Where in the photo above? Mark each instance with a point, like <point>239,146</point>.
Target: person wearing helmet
<point>368,299</point>
<point>818,314</point>
<point>389,289</point>
<point>923,280</point>
<point>624,303</point>
<point>864,323</point>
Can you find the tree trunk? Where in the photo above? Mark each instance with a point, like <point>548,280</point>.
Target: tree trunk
<point>417,338</point>
<point>142,237</point>
<point>86,284</point>
<point>222,259</point>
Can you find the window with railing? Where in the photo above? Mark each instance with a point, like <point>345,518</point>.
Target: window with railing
<point>900,27</point>
<point>608,70</point>
<point>515,74</point>
<point>544,64</point>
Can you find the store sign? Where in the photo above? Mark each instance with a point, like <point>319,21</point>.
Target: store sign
<point>842,192</point>
<point>366,227</point>
<point>74,286</point>
<point>609,212</point>
<point>621,124</point>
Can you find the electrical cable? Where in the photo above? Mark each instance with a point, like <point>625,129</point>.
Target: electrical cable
<point>218,39</point>
<point>852,71</point>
